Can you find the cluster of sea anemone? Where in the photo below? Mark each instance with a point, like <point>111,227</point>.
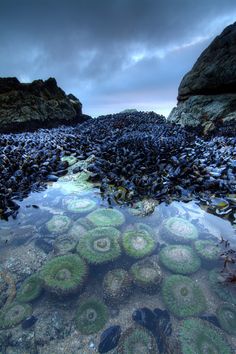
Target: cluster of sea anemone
<point>199,336</point>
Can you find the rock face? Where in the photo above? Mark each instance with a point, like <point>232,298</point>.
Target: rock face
<point>207,94</point>
<point>40,104</point>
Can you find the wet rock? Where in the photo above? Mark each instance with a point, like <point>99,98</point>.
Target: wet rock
<point>36,105</point>
<point>46,244</point>
<point>207,94</point>
<point>109,339</point>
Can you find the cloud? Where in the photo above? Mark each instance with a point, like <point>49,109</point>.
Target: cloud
<point>110,53</point>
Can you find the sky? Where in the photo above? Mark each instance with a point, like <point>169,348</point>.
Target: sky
<point>111,54</point>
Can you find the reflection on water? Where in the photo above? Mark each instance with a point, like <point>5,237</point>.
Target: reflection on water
<point>149,276</point>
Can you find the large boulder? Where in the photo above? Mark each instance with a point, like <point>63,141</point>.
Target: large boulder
<point>40,104</point>
<point>207,94</point>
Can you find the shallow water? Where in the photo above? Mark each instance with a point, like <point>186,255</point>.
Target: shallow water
<point>28,243</point>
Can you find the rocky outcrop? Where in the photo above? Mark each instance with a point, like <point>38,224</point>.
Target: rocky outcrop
<point>207,94</point>
<point>40,104</point>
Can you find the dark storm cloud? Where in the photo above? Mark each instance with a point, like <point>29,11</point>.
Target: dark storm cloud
<point>111,53</point>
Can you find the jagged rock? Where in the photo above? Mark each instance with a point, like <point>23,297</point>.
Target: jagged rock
<point>207,94</point>
<point>35,105</point>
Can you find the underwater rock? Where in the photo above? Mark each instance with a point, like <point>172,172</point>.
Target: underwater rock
<point>64,275</point>
<point>182,296</point>
<point>50,326</point>
<point>138,244</point>
<point>45,244</point>
<point>100,245</point>
<point>180,259</point>
<point>199,336</point>
<point>178,230</point>
<point>109,339</point>
<point>147,274</point>
<point>116,285</point>
<point>91,316</point>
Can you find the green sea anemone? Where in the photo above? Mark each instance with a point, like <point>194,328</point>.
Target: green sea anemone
<point>226,314</point>
<point>106,217</point>
<point>77,230</point>
<point>180,259</point>
<point>79,205</point>
<point>100,245</point>
<point>91,316</point>
<point>58,224</point>
<point>179,230</point>
<point>64,275</point>
<point>30,289</point>
<point>147,274</point>
<point>222,289</point>
<point>137,340</point>
<point>201,337</point>
<point>182,296</point>
<point>117,286</point>
<point>70,159</point>
<point>14,314</point>
<point>138,244</point>
<point>207,250</point>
